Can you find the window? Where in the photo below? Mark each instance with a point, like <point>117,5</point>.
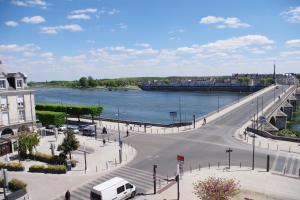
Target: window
<point>120,189</point>
<point>4,103</point>
<point>95,196</point>
<point>2,84</point>
<point>21,115</point>
<point>20,100</point>
<point>19,83</point>
<point>128,186</point>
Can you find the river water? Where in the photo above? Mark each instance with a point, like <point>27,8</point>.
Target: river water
<point>139,105</point>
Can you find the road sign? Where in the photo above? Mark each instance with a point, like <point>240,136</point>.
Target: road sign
<point>180,158</point>
<point>229,150</point>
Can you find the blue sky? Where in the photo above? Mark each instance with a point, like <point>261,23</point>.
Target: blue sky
<point>67,39</point>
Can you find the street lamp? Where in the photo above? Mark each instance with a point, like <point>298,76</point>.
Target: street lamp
<point>120,142</point>
<point>218,103</point>
<point>253,144</point>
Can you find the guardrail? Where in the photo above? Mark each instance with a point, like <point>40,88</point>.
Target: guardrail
<point>280,101</point>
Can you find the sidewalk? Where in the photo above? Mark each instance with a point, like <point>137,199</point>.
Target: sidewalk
<point>100,160</point>
<point>256,184</point>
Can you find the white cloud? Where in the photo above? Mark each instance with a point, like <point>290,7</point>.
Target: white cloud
<point>145,45</point>
<point>292,15</point>
<point>293,43</point>
<point>113,12</point>
<point>122,26</point>
<point>33,20</point>
<point>290,54</point>
<point>56,29</point>
<point>229,22</point>
<point>12,23</point>
<point>79,16</point>
<point>84,11</point>
<point>30,3</point>
<point>18,48</point>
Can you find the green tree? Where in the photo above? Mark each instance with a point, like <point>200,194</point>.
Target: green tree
<point>214,188</point>
<point>69,144</point>
<point>92,82</point>
<point>27,141</point>
<point>51,118</point>
<point>83,82</point>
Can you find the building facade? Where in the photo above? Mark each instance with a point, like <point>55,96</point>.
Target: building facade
<point>17,109</point>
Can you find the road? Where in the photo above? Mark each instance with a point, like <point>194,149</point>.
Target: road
<point>201,147</point>
<point>204,145</point>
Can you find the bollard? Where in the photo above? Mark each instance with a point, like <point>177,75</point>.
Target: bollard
<point>218,165</point>
<point>240,164</point>
<point>208,165</point>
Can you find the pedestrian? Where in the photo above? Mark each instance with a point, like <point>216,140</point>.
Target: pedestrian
<point>127,133</point>
<point>67,195</point>
<point>204,121</point>
<point>104,131</point>
<point>104,141</point>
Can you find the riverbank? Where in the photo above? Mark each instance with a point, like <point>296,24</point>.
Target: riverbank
<point>124,88</point>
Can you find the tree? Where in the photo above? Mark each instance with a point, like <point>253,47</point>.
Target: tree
<point>69,144</point>
<point>91,82</point>
<point>51,118</point>
<point>27,141</point>
<point>83,82</point>
<point>216,188</point>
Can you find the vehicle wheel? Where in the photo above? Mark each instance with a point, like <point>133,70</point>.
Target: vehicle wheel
<point>132,194</point>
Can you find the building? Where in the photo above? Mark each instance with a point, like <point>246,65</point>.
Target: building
<point>17,109</point>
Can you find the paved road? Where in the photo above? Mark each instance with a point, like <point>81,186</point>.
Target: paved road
<point>201,147</point>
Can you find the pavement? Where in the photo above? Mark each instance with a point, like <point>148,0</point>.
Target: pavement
<point>100,161</point>
<point>255,184</point>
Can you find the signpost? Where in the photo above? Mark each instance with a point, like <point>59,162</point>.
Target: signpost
<point>154,178</point>
<point>229,151</point>
<point>173,114</point>
<point>180,161</point>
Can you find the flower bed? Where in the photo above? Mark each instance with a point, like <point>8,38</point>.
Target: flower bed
<point>12,166</point>
<point>50,169</point>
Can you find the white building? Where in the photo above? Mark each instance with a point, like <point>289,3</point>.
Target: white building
<point>17,108</point>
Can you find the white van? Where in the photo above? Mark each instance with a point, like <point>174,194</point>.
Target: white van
<point>113,189</point>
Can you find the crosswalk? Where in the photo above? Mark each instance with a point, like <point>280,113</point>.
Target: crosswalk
<point>143,180</point>
<point>288,165</point>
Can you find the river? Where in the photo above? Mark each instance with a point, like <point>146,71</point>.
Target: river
<point>139,105</point>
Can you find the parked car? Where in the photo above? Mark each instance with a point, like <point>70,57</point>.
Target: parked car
<point>74,129</point>
<point>51,127</point>
<point>62,128</point>
<point>81,127</point>
<point>115,188</point>
<point>89,131</point>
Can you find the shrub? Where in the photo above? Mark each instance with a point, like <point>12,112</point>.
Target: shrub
<point>47,158</point>
<point>50,169</point>
<point>37,168</point>
<point>12,166</point>
<point>216,188</point>
<point>1,182</point>
<point>15,185</point>
<point>74,163</point>
<point>56,169</point>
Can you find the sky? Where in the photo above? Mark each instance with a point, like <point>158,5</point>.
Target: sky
<point>68,39</point>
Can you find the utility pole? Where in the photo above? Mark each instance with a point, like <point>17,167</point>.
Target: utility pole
<point>262,105</point>
<point>177,180</point>
<point>194,119</point>
<point>85,164</point>
<point>274,93</point>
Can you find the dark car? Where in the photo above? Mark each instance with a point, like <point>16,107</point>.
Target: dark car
<point>88,131</point>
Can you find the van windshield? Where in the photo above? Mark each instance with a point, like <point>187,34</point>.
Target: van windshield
<point>95,196</point>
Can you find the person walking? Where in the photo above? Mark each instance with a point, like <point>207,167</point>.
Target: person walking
<point>67,195</point>
<point>127,133</point>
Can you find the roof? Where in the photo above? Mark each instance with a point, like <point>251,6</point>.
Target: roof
<point>108,183</point>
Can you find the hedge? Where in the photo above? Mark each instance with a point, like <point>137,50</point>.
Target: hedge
<point>15,185</point>
<point>51,118</point>
<point>70,109</point>
<point>12,166</point>
<point>49,159</point>
<point>50,169</point>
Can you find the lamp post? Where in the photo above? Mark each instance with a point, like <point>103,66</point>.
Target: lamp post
<point>180,109</point>
<point>120,141</point>
<point>253,144</point>
<point>218,103</point>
